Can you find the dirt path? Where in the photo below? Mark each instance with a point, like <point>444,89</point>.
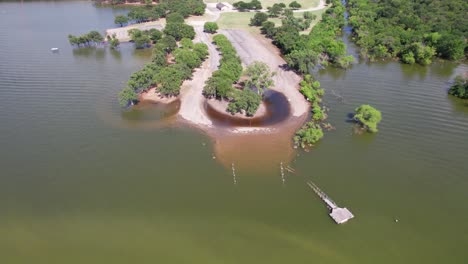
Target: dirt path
<point>122,32</point>
<point>192,99</point>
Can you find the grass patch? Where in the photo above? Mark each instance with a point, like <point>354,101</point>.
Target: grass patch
<point>267,3</point>
<point>241,20</point>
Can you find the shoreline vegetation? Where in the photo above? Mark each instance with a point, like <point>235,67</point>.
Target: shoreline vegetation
<point>411,31</point>
<point>305,53</point>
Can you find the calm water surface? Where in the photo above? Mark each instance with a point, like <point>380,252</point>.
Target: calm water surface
<point>83,182</point>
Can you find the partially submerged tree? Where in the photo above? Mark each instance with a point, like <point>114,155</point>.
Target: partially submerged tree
<point>113,41</point>
<point>308,135</point>
<point>91,38</point>
<point>460,87</point>
<point>368,117</point>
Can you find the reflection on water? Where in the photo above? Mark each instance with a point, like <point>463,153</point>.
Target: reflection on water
<point>148,111</point>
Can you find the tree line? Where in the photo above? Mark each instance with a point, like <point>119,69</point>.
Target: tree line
<point>171,64</point>
<point>139,14</point>
<point>413,31</point>
<point>89,39</point>
<point>303,53</point>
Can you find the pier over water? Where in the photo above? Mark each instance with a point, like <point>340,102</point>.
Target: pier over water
<point>338,214</point>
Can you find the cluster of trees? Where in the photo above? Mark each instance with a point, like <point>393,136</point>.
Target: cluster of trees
<point>150,12</point>
<point>460,87</point>
<point>166,76</point>
<point>312,131</point>
<point>219,85</point>
<point>308,135</point>
<point>368,117</point>
<point>89,39</point>
<point>176,27</point>
<point>121,2</point>
<point>252,5</point>
<point>414,31</point>
<point>319,48</point>
<point>258,78</point>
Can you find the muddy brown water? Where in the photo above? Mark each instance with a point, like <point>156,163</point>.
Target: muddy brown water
<point>81,181</point>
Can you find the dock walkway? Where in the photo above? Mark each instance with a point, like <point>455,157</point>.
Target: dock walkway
<point>338,214</point>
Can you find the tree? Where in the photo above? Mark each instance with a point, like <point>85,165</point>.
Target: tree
<point>309,15</point>
<point>460,87</point>
<point>113,41</point>
<point>218,87</point>
<point>167,43</point>
<point>91,38</point>
<point>154,35</point>
<point>303,61</point>
<point>259,77</point>
<point>258,19</point>
<point>187,57</point>
<point>451,47</point>
<point>368,117</point>
<point>268,29</point>
<point>201,49</point>
<point>179,31</point>
<point>245,100</point>
<point>140,38</point>
<point>139,14</point>
<point>295,5</point>
<point>121,19</point>
<point>275,10</point>
<point>169,80</point>
<point>210,27</point>
<point>159,57</point>
<point>186,43</point>
<point>308,135</point>
<point>174,18</point>
<point>127,97</point>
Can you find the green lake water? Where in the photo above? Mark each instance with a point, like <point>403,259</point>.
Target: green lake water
<point>81,181</point>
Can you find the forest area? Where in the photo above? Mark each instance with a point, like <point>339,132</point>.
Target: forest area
<point>414,31</point>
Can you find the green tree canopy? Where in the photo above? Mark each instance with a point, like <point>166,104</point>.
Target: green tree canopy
<point>460,86</point>
<point>179,31</point>
<point>258,19</point>
<point>120,20</point>
<point>368,117</point>
<point>259,77</point>
<point>245,101</point>
<point>295,5</point>
<point>308,135</point>
<point>210,27</point>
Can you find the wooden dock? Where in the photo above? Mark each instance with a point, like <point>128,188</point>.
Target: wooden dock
<point>338,214</point>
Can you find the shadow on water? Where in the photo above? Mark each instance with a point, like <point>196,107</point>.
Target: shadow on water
<point>277,110</point>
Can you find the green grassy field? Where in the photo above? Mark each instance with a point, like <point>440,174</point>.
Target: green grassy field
<point>241,20</point>
<point>267,3</point>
